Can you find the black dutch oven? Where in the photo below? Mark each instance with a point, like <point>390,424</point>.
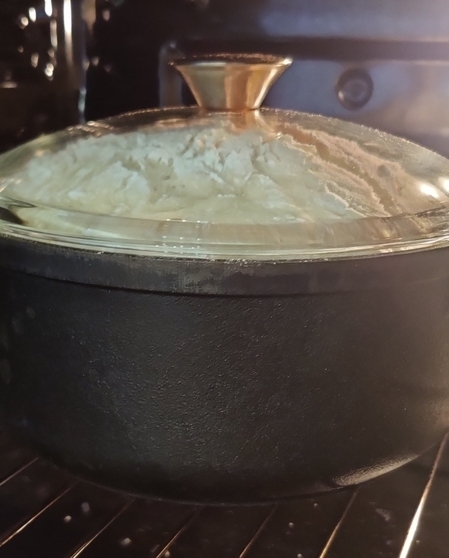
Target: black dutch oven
<point>238,359</point>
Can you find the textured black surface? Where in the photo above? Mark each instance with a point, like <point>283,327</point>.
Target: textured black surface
<point>46,513</point>
<point>225,398</point>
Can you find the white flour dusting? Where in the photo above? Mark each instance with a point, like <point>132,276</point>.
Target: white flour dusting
<point>195,174</point>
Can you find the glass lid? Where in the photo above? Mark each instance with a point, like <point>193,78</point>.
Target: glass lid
<point>227,181</point>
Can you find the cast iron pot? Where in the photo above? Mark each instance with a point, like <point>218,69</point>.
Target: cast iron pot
<point>232,379</point>
<point>222,381</point>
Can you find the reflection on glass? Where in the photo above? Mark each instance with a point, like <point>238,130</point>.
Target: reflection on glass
<point>49,69</point>
<point>444,182</point>
<point>23,22</point>
<point>429,190</point>
<point>48,8</point>
<point>67,14</point>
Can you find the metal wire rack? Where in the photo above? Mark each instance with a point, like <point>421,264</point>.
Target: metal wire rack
<point>46,513</point>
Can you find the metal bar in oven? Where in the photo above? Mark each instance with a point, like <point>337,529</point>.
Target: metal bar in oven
<point>404,20</point>
<point>259,531</point>
<point>338,527</point>
<point>92,539</point>
<point>405,551</point>
<point>18,471</point>
<point>65,526</point>
<point>27,493</point>
<point>383,513</point>
<point>166,549</point>
<point>36,516</point>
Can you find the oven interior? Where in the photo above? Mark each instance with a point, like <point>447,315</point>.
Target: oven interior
<point>383,65</point>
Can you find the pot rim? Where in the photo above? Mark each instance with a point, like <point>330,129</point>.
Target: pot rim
<point>183,276</point>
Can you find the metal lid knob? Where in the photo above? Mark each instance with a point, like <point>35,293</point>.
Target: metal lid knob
<point>234,82</point>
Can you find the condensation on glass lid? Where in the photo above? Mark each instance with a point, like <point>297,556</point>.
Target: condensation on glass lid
<point>281,182</point>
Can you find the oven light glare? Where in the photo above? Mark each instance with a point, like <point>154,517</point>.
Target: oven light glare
<point>49,69</point>
<point>48,8</point>
<point>67,17</point>
<point>444,182</point>
<point>429,190</point>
